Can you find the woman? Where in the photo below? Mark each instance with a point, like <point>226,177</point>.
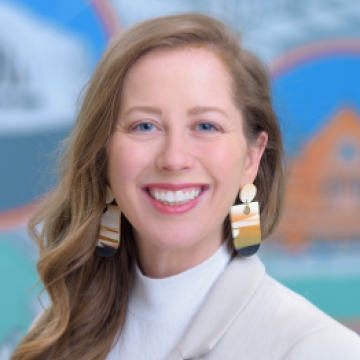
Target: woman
<point>176,123</point>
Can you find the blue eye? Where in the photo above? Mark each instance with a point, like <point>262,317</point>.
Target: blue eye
<point>145,127</point>
<point>206,127</point>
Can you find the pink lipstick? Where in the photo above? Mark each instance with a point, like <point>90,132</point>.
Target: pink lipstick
<point>174,198</point>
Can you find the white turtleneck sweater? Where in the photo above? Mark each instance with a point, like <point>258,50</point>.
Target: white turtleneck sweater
<point>160,310</point>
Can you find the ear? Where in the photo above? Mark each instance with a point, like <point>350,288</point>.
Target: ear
<point>253,157</point>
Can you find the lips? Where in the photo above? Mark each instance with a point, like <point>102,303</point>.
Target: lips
<point>174,187</point>
<point>174,198</point>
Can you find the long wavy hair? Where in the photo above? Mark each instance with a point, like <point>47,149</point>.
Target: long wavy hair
<point>89,294</point>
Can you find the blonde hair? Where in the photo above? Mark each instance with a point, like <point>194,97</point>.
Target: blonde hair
<point>89,294</point>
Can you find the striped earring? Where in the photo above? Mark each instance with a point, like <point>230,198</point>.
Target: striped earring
<point>245,223</point>
<point>109,230</point>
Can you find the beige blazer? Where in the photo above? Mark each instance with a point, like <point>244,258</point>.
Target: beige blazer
<point>250,316</point>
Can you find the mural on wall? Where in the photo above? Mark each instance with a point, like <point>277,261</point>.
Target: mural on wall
<point>48,51</point>
<point>318,240</point>
<point>324,191</point>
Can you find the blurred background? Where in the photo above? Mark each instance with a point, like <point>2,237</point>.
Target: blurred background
<point>48,50</point>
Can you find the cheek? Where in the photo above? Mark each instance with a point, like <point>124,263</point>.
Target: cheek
<point>127,161</point>
<point>227,158</point>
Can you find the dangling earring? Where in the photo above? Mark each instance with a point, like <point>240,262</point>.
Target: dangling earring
<point>109,231</point>
<point>245,223</point>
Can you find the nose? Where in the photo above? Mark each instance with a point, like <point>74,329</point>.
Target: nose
<point>175,154</point>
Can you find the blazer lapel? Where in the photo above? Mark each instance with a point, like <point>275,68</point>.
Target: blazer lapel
<point>229,296</point>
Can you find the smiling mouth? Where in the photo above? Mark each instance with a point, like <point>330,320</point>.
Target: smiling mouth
<point>175,198</point>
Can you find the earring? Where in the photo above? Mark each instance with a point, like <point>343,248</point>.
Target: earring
<point>109,230</point>
<point>245,223</point>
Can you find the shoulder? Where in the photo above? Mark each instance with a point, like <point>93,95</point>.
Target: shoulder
<point>330,344</point>
<point>277,323</point>
<point>303,330</point>
<point>292,309</point>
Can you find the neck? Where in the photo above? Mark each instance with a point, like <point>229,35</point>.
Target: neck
<point>158,263</point>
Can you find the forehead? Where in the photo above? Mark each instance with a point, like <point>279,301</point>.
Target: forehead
<point>197,54</point>
<point>199,68</point>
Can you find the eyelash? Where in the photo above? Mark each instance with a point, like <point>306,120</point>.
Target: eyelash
<point>213,126</point>
<point>137,126</point>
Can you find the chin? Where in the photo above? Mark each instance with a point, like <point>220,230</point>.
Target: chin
<point>174,236</point>
<point>172,240</point>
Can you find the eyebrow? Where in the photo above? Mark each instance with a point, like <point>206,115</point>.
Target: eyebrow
<point>197,110</point>
<point>147,109</point>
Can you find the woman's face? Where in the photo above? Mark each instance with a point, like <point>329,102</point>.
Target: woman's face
<point>178,156</point>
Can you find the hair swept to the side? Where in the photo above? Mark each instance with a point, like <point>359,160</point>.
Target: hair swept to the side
<point>89,294</point>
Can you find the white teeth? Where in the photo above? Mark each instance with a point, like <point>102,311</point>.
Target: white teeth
<point>170,196</point>
<point>173,198</point>
<point>179,196</point>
